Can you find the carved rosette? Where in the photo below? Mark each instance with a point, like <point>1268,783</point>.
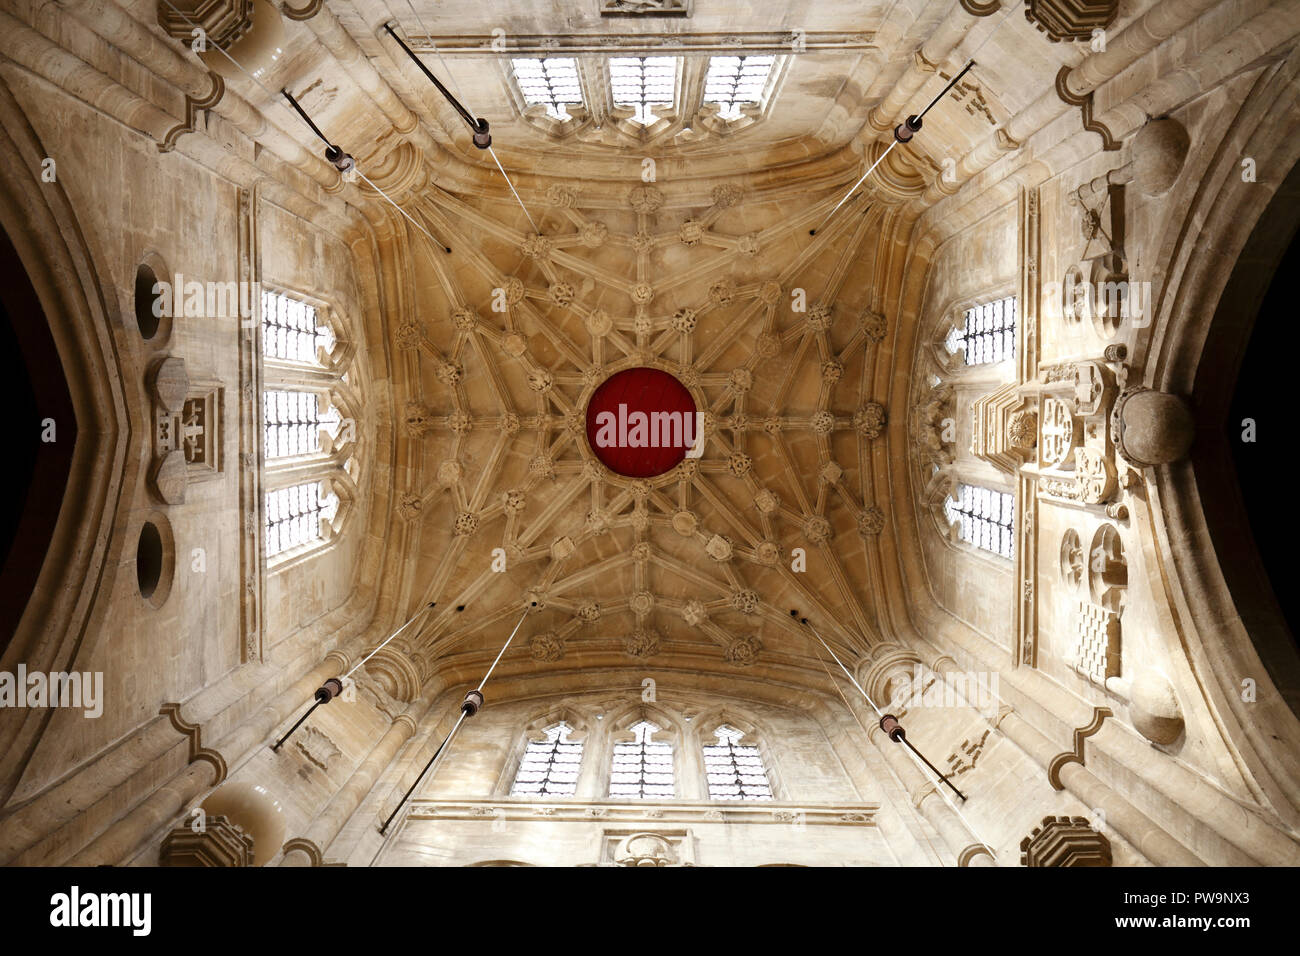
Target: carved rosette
<point>745,600</point>
<point>694,613</point>
<point>742,652</point>
<point>546,647</point>
<point>869,420</point>
<point>871,522</point>
<point>645,199</point>
<point>643,642</point>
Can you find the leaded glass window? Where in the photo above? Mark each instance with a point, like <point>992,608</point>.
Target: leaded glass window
<point>550,766</point>
<point>986,518</point>
<point>292,422</point>
<point>642,768</point>
<point>642,83</point>
<point>736,81</point>
<point>735,772</point>
<point>551,82</point>
<point>988,333</point>
<point>290,331</point>
<point>294,515</point>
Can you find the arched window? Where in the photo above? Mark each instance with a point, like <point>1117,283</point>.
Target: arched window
<point>986,519</point>
<point>549,766</point>
<point>643,84</point>
<point>735,772</point>
<point>987,333</point>
<point>734,82</point>
<point>551,82</point>
<point>309,469</point>
<point>642,768</point>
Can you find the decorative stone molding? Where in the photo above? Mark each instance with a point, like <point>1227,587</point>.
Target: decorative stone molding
<point>633,814</point>
<point>187,436</point>
<point>223,21</point>
<point>547,647</point>
<point>395,673</point>
<point>990,440</point>
<point>1108,141</point>
<point>1072,20</point>
<point>975,849</point>
<point>645,8</point>
<point>216,843</point>
<point>1154,708</point>
<point>305,12</point>
<point>1081,734</point>
<point>871,521</point>
<point>306,846</point>
<point>1065,841</point>
<point>643,642</point>
<point>1096,650</point>
<point>608,42</point>
<point>742,652</point>
<point>193,106</point>
<point>195,734</point>
<point>649,849</point>
<point>931,417</point>
<point>869,420</point>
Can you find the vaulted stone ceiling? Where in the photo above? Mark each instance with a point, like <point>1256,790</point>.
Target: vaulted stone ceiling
<point>704,287</point>
<point>701,271</point>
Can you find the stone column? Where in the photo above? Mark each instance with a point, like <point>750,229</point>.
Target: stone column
<point>1127,820</point>
<point>309,850</point>
<point>925,64</point>
<point>893,664</point>
<point>126,835</point>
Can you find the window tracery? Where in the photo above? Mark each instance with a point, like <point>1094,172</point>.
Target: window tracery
<point>549,766</point>
<point>735,771</point>
<point>308,439</point>
<point>642,768</point>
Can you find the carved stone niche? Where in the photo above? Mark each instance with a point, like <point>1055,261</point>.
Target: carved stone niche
<point>187,436</point>
<point>1071,20</point>
<point>1065,841</point>
<point>218,842</point>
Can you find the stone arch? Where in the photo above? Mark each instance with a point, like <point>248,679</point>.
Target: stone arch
<point>71,284</point>
<point>756,735</point>
<point>1193,314</point>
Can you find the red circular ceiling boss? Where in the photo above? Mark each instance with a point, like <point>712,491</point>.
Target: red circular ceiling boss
<point>641,422</point>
